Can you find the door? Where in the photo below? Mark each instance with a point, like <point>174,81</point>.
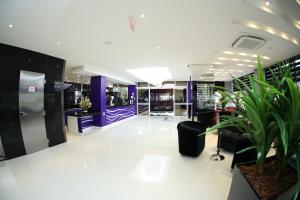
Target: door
<point>31,108</point>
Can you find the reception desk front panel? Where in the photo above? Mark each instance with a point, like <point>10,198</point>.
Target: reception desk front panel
<point>115,114</point>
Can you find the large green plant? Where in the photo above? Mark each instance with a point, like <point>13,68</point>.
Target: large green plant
<point>270,114</point>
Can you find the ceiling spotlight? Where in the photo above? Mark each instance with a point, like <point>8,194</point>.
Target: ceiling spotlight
<point>222,58</point>
<point>58,42</point>
<point>10,26</point>
<point>247,60</point>
<point>158,47</point>
<point>295,41</point>
<point>266,57</point>
<point>284,36</point>
<point>252,25</point>
<point>269,30</point>
<point>228,52</point>
<point>267,3</point>
<point>250,65</point>
<point>243,54</point>
<point>235,59</point>
<point>217,63</point>
<point>142,16</point>
<point>299,22</point>
<point>240,64</point>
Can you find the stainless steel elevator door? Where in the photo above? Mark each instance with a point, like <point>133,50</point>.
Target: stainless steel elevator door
<point>31,108</point>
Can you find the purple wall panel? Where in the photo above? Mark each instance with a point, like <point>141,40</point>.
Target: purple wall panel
<point>98,98</point>
<point>132,91</point>
<point>189,92</point>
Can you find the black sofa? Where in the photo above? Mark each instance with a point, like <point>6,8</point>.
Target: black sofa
<point>191,135</point>
<point>191,139</point>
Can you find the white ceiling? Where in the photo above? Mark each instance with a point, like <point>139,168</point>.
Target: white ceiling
<point>187,32</point>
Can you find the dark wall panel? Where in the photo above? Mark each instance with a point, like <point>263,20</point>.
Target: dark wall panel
<point>12,60</point>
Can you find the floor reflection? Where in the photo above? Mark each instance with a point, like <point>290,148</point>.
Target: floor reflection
<point>152,168</point>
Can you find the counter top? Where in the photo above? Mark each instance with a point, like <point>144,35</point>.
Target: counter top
<point>83,114</point>
<point>108,107</point>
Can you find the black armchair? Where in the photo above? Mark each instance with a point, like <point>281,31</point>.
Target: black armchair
<point>190,142</point>
<point>247,156</point>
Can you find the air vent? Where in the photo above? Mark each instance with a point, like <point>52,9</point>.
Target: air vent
<point>248,42</point>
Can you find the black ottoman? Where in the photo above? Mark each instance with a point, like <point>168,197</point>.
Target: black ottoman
<point>190,144</point>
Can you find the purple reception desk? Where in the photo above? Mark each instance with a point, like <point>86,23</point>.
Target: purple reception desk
<point>109,115</point>
<point>119,113</point>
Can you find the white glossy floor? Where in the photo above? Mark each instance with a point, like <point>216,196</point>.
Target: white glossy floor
<point>136,160</point>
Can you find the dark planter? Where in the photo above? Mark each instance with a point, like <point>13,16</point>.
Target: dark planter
<point>241,189</point>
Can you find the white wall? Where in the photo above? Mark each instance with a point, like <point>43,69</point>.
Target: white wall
<point>1,149</point>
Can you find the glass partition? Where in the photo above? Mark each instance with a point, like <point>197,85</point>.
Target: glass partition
<point>180,95</point>
<point>143,95</point>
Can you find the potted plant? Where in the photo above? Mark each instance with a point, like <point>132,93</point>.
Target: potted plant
<point>85,104</point>
<point>269,114</point>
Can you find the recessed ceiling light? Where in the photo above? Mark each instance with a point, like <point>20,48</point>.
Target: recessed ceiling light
<point>267,3</point>
<point>142,16</point>
<point>10,25</point>
<point>243,54</point>
<point>217,63</point>
<point>250,65</point>
<point>252,25</point>
<point>241,64</point>
<point>295,41</point>
<point>222,58</point>
<point>266,57</point>
<point>269,30</point>
<point>158,47</point>
<point>228,52</point>
<point>284,36</point>
<point>247,60</point>
<point>235,59</point>
<point>58,42</point>
<point>299,22</point>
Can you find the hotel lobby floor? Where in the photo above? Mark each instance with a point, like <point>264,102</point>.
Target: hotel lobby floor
<point>135,160</point>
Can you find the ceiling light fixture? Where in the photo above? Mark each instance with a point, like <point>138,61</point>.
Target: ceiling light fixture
<point>244,54</point>
<point>241,64</point>
<point>155,75</point>
<point>267,3</point>
<point>142,16</point>
<point>252,25</point>
<point>268,29</point>
<point>217,63</point>
<point>222,58</point>
<point>10,25</point>
<point>228,52</point>
<point>158,47</point>
<point>58,42</point>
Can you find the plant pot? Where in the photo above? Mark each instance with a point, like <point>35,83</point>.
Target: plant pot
<point>241,188</point>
